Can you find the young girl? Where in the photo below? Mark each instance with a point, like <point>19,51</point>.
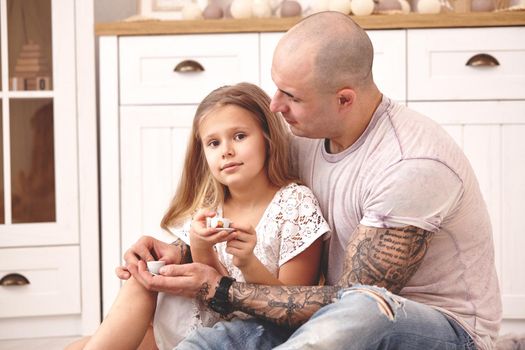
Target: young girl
<point>236,166</point>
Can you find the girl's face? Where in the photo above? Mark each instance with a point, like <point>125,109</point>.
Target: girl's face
<point>234,146</point>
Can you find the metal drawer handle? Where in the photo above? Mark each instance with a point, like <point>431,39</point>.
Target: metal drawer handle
<point>13,279</point>
<point>188,66</point>
<point>482,60</point>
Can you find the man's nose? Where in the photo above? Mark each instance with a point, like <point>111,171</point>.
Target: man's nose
<point>277,104</point>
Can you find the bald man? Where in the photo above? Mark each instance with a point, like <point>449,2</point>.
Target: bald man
<point>410,260</point>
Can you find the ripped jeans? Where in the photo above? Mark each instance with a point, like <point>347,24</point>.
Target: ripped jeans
<point>363,317</point>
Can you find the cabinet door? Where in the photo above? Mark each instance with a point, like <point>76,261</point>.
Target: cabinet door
<point>491,135</point>
<point>152,149</point>
<point>389,68</point>
<point>153,146</point>
<point>38,149</point>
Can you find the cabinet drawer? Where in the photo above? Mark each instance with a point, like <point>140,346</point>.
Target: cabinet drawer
<point>147,66</point>
<point>54,281</point>
<point>438,69</point>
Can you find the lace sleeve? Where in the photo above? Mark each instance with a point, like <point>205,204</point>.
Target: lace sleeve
<point>302,221</point>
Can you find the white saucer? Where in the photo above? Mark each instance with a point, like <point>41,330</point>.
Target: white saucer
<point>227,229</point>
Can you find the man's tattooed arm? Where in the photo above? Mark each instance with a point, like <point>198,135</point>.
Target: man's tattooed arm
<point>384,257</point>
<point>284,305</point>
<point>184,251</point>
<point>374,256</point>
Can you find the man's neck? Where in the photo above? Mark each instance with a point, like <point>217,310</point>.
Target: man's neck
<point>355,126</point>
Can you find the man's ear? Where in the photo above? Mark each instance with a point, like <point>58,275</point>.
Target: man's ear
<point>346,97</point>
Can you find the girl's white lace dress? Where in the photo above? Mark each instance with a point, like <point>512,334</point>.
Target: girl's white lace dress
<point>291,222</point>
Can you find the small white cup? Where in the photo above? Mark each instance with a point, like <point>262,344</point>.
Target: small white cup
<point>154,266</point>
<point>218,222</point>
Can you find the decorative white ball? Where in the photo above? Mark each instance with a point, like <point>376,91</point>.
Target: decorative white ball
<point>429,6</point>
<point>343,6</point>
<point>362,7</point>
<point>261,9</point>
<point>241,9</point>
<point>405,6</point>
<point>191,11</point>
<point>319,5</point>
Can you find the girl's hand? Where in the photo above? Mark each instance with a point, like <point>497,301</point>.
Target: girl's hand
<point>202,237</point>
<point>241,246</point>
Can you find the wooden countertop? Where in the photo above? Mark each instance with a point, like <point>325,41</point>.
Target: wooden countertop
<point>413,20</point>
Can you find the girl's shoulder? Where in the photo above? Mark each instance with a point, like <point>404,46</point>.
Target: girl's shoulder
<point>295,190</point>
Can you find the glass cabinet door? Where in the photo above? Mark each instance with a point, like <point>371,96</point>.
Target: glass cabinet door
<point>38,149</point>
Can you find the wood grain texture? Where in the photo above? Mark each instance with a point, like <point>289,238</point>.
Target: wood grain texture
<point>413,20</point>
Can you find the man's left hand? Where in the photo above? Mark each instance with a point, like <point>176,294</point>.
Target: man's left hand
<point>189,280</point>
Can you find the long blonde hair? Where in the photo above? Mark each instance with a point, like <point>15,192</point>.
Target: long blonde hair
<point>197,187</point>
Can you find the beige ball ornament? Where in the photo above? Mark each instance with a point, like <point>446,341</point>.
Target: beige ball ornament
<point>191,11</point>
<point>343,6</point>
<point>261,9</point>
<point>362,7</point>
<point>319,5</point>
<point>429,6</point>
<point>241,8</point>
<point>405,6</point>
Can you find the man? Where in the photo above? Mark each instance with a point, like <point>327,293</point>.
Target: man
<point>410,262</point>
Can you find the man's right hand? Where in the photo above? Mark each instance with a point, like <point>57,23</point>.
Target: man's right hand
<point>147,249</point>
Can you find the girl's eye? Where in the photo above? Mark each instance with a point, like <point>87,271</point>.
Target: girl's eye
<point>239,136</point>
<point>213,143</point>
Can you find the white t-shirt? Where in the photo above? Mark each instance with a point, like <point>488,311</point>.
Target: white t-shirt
<point>290,224</point>
<point>406,170</point>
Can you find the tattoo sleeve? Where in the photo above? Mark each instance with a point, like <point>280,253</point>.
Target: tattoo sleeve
<point>374,256</point>
<point>184,251</point>
<point>288,306</point>
<point>384,257</point>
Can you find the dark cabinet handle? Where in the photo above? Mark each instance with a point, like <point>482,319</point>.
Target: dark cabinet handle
<point>188,66</point>
<point>13,279</point>
<point>482,60</point>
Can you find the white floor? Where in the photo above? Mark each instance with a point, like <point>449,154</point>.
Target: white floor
<point>36,343</point>
<point>508,326</point>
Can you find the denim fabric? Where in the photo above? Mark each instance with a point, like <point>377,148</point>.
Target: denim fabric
<point>359,319</point>
<point>250,334</point>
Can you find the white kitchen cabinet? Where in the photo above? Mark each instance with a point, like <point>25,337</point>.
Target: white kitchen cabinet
<point>143,136</point>
<point>482,105</point>
<point>389,68</point>
<point>48,189</point>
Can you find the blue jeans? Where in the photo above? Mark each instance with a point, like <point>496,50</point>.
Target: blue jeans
<point>363,317</point>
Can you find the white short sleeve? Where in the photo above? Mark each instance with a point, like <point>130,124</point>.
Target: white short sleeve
<point>416,192</point>
<point>302,221</point>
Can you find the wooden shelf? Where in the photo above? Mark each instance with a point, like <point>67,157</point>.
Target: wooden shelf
<point>413,20</point>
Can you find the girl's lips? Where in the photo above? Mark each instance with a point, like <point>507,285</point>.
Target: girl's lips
<point>230,166</point>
